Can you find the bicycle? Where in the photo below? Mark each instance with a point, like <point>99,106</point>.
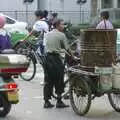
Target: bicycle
<point>29,49</point>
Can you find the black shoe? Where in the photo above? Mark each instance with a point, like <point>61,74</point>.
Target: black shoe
<point>48,105</point>
<point>60,104</point>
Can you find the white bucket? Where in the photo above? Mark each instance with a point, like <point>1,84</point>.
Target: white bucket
<point>106,82</point>
<point>116,76</point>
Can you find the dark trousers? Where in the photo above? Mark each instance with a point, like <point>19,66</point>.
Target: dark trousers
<point>54,75</point>
<point>41,47</point>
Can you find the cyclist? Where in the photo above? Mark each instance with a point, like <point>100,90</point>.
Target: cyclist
<point>40,28</point>
<point>5,42</point>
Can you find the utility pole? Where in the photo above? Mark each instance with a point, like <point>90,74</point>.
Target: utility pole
<point>27,2</point>
<point>38,4</point>
<point>81,2</point>
<point>80,12</point>
<point>27,12</point>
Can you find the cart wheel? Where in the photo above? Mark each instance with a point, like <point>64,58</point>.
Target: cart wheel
<point>114,99</point>
<point>80,95</point>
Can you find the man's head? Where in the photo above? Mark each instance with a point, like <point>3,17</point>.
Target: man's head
<point>39,14</point>
<point>45,13</point>
<point>54,15</point>
<point>105,15</point>
<point>59,24</point>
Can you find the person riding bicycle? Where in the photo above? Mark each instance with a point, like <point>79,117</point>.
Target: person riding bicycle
<point>40,28</point>
<point>56,42</point>
<point>5,41</point>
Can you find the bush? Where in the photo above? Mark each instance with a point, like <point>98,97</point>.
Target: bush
<point>116,24</point>
<point>74,30</point>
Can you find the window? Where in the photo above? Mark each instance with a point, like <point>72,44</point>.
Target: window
<point>107,3</point>
<point>118,3</point>
<point>9,21</point>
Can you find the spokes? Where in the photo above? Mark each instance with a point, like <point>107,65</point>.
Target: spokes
<point>1,108</point>
<point>80,99</point>
<point>29,70</point>
<point>116,99</point>
<point>1,105</point>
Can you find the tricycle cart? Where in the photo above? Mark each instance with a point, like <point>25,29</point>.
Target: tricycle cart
<point>96,73</point>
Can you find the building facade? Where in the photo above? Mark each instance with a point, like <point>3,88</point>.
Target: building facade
<point>18,10</point>
<point>62,5</point>
<point>68,9</point>
<point>112,6</point>
<point>18,5</point>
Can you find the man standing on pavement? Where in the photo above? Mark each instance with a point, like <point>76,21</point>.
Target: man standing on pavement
<point>56,42</point>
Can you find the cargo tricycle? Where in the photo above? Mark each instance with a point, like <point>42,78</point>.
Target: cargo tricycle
<point>98,72</point>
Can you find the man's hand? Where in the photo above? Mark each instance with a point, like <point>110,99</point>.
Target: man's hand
<point>76,58</point>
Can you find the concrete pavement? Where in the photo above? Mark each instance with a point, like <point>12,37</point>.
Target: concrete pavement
<point>31,105</point>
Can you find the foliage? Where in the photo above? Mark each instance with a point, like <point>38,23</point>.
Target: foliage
<point>73,31</point>
<point>116,24</point>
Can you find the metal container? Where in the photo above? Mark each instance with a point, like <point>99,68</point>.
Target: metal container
<point>98,48</point>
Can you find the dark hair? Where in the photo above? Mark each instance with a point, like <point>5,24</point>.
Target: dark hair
<point>39,13</point>
<point>57,22</point>
<point>105,15</point>
<point>45,13</point>
<point>54,14</point>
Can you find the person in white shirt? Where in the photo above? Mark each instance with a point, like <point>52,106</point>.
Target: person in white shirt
<point>41,27</point>
<point>105,22</point>
<point>40,24</point>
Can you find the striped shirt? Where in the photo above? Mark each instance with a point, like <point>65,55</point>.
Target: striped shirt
<point>105,24</point>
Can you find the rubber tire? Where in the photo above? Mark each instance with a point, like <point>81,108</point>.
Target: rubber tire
<point>112,103</point>
<point>34,71</point>
<point>72,99</point>
<point>6,105</point>
<point>18,46</point>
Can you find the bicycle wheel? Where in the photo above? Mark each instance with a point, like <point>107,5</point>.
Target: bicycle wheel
<point>114,99</point>
<point>31,71</point>
<point>80,95</point>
